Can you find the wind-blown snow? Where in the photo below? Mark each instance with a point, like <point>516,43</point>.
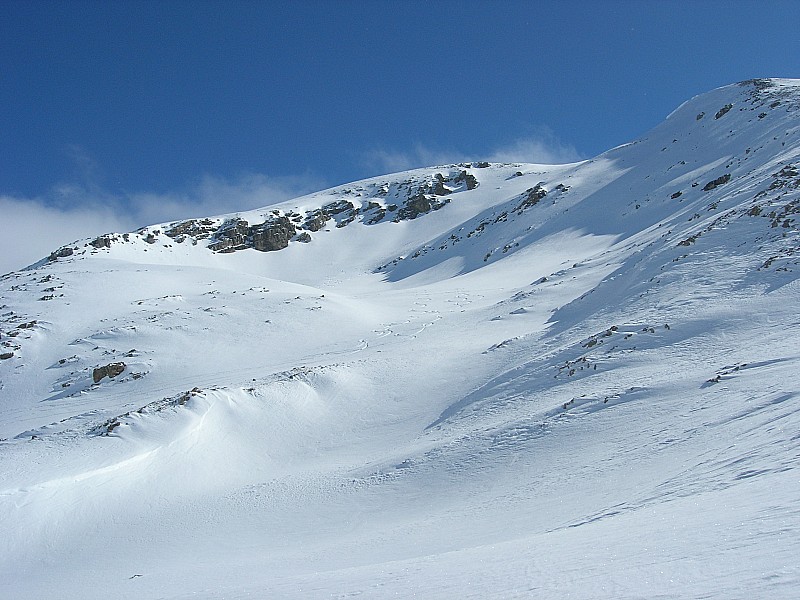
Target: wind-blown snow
<point>569,381</point>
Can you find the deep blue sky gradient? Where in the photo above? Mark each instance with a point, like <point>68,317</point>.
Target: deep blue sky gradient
<point>152,96</point>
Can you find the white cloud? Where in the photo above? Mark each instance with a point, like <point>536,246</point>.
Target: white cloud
<point>392,161</point>
<point>34,227</point>
<point>543,148</point>
<point>216,195</point>
<point>31,229</point>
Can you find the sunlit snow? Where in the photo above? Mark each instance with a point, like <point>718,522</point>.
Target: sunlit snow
<point>565,381</point>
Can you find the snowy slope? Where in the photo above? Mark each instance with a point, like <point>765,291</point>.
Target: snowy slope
<point>472,380</point>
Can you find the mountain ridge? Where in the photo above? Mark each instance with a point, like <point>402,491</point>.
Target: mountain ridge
<point>417,195</point>
<point>523,379</point>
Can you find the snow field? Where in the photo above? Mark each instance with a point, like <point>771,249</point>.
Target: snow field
<point>589,394</point>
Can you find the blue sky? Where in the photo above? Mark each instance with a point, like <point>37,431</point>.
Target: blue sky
<point>120,114</point>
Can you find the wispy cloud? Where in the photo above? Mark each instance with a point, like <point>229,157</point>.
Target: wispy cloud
<point>216,195</point>
<point>34,227</point>
<point>543,148</point>
<point>391,161</point>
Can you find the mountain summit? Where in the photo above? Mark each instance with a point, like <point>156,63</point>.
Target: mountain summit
<point>471,380</point>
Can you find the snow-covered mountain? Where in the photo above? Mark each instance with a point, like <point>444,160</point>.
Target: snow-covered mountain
<point>475,380</point>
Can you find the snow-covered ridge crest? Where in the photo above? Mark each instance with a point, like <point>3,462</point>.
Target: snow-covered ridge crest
<point>759,108</point>
<point>405,196</point>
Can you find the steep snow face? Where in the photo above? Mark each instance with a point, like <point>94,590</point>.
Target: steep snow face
<point>472,380</point>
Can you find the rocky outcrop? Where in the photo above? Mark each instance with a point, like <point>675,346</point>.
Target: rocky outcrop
<point>531,197</point>
<point>110,370</point>
<point>103,241</point>
<point>232,235</point>
<point>376,217</point>
<point>335,208</point>
<point>717,182</point>
<point>60,253</point>
<point>316,221</point>
<point>342,210</point>
<point>439,187</point>
<point>198,229</point>
<point>272,235</point>
<point>238,234</point>
<point>414,207</point>
<point>468,178</point>
<point>723,111</point>
<point>419,205</point>
<point>414,197</point>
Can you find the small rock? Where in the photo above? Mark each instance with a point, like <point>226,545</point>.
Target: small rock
<point>717,182</point>
<point>722,111</point>
<point>110,370</point>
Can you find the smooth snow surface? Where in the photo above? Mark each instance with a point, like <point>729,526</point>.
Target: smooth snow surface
<point>586,393</point>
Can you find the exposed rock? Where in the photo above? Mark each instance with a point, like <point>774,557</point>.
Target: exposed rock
<point>377,217</point>
<point>787,171</point>
<point>439,189</point>
<point>343,210</point>
<point>279,228</point>
<point>414,207</point>
<point>272,235</point>
<point>198,229</point>
<point>110,370</point>
<point>717,182</point>
<point>316,221</point>
<point>347,221</point>
<point>60,253</point>
<point>722,111</point>
<point>468,178</point>
<point>6,355</point>
<point>103,241</point>
<point>759,84</point>
<point>340,206</point>
<point>531,197</point>
<point>232,233</point>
